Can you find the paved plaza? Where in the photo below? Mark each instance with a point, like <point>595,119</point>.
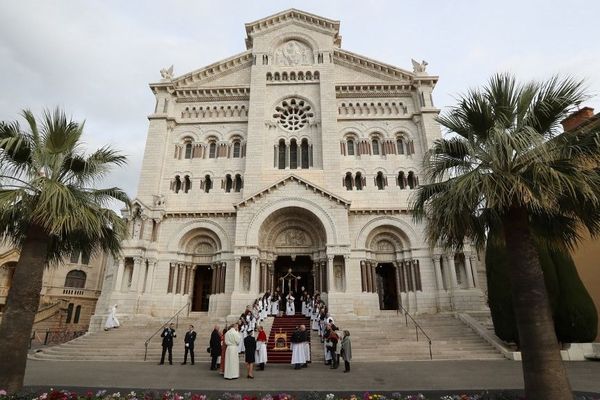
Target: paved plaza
<point>401,376</point>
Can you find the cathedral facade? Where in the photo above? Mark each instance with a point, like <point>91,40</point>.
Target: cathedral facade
<point>288,166</point>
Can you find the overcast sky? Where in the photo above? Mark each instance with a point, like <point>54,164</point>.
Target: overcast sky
<point>96,58</point>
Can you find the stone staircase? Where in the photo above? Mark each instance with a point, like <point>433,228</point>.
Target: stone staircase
<point>127,342</point>
<point>388,338</point>
<point>285,325</point>
<point>381,338</point>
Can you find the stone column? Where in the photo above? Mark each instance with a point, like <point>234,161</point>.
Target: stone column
<point>398,289</point>
<point>119,274</point>
<point>369,276</point>
<point>363,277</point>
<point>438,273</point>
<point>214,277</point>
<point>254,274</point>
<point>137,266</point>
<point>223,276</point>
<point>271,269</point>
<point>178,280</point>
<point>452,271</point>
<point>473,268</point>
<point>323,269</point>
<point>192,279</point>
<point>469,272</point>
<point>150,277</point>
<point>330,277</point>
<point>374,276</point>
<point>236,276</point>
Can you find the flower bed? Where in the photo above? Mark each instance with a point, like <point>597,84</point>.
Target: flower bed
<point>173,395</point>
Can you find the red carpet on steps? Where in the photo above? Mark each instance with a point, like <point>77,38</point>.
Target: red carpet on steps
<point>285,325</point>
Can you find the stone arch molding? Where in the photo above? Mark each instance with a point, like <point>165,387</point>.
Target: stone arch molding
<point>411,235</point>
<point>217,229</point>
<point>256,223</point>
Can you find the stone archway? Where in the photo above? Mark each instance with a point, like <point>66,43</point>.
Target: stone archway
<point>201,272</point>
<point>293,240</point>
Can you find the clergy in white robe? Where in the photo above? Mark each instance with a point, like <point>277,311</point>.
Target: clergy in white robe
<point>232,359</point>
<point>298,348</point>
<point>111,320</point>
<point>275,304</point>
<point>290,308</point>
<point>261,348</point>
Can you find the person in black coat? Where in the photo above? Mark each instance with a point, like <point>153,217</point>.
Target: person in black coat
<point>168,334</point>
<point>250,346</point>
<point>215,347</point>
<point>190,338</point>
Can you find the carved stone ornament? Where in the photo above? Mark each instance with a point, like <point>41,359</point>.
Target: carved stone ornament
<point>292,53</point>
<point>167,73</point>
<point>419,67</point>
<point>204,248</point>
<point>385,245</point>
<point>293,238</point>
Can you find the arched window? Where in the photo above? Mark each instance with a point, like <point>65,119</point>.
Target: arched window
<point>281,161</point>
<point>284,76</point>
<point>309,76</point>
<point>188,150</point>
<point>402,180</point>
<point>292,76</point>
<point>237,149</point>
<point>177,184</point>
<point>207,183</point>
<point>187,184</point>
<point>304,153</point>
<point>400,146</point>
<point>350,145</point>
<point>238,184</point>
<point>375,146</point>
<point>380,180</point>
<point>358,181</point>
<point>69,313</point>
<point>348,181</point>
<point>277,76</point>
<point>412,180</point>
<point>293,154</point>
<point>77,314</point>
<point>228,183</point>
<point>212,150</point>
<point>75,279</point>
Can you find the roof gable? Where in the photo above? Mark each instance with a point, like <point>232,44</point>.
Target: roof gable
<point>293,178</point>
<point>327,25</point>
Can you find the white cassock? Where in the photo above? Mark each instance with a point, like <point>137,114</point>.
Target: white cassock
<point>275,307</point>
<point>232,359</point>
<point>304,310</point>
<point>290,308</point>
<point>242,333</point>
<point>111,320</point>
<point>306,351</point>
<point>298,353</point>
<point>261,353</point>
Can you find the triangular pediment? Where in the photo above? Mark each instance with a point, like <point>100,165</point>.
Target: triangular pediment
<point>292,178</point>
<point>368,69</point>
<point>313,21</point>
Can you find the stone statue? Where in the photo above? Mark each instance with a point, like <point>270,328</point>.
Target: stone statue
<point>419,67</point>
<point>159,200</point>
<point>293,52</point>
<point>339,282</point>
<point>167,73</point>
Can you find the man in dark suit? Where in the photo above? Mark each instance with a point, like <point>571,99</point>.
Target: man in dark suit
<point>190,338</point>
<point>168,334</point>
<point>215,347</point>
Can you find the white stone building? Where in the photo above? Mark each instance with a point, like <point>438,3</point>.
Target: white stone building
<point>293,154</point>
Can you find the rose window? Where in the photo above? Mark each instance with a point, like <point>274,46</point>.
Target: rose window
<point>292,114</point>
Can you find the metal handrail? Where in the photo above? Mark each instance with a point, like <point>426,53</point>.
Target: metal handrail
<point>174,316</point>
<point>417,327</point>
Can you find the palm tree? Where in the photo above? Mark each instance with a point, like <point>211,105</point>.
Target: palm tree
<point>49,209</point>
<point>508,166</point>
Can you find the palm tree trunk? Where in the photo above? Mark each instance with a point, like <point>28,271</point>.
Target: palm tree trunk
<point>543,370</point>
<point>21,306</point>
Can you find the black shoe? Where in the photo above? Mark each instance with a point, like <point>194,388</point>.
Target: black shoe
<point>192,363</point>
<point>346,370</point>
<point>183,363</point>
<point>170,363</point>
<point>304,366</point>
<point>327,362</point>
<point>297,367</point>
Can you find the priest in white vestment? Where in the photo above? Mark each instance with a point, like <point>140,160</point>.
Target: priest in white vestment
<point>290,308</point>
<point>299,337</point>
<point>232,359</point>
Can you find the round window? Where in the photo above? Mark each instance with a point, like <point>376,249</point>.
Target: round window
<point>292,114</point>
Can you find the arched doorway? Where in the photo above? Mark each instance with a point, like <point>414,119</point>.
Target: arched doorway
<point>389,270</point>
<point>203,273</point>
<point>292,240</point>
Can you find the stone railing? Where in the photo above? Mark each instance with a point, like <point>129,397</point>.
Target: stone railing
<point>71,292</point>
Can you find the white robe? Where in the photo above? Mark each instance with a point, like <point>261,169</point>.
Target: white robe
<point>275,307</point>
<point>232,359</point>
<point>307,350</point>
<point>111,320</point>
<point>261,353</point>
<point>298,353</point>
<point>290,308</point>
